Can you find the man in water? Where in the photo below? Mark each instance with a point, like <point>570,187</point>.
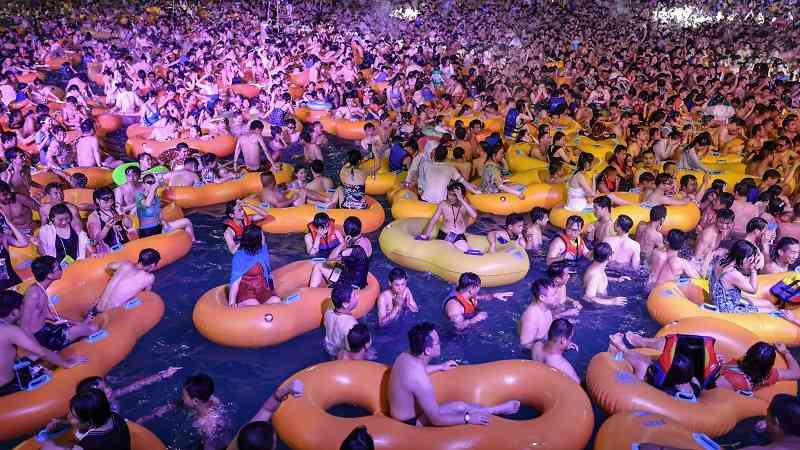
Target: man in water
<point>17,208</point>
<point>455,212</point>
<point>672,266</point>
<point>538,316</point>
<point>125,195</point>
<point>39,316</point>
<point>128,280</point>
<point>710,238</point>
<point>625,251</point>
<point>411,388</point>
<point>604,227</point>
<point>251,145</point>
<point>648,234</point>
<point>462,307</point>
<point>551,351</point>
<point>743,210</point>
<point>663,193</point>
<point>394,300</point>
<point>436,176</point>
<point>595,280</point>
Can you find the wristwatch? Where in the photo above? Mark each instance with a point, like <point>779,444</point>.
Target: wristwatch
<point>466,417</point>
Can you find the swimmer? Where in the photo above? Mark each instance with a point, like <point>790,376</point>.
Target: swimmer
<point>462,307</point>
<point>128,280</point>
<point>538,316</point>
<point>394,300</point>
<point>560,274</point>
<point>672,267</point>
<point>568,246</point>
<point>320,183</point>
<point>512,232</point>
<point>604,227</point>
<point>709,240</point>
<point>785,254</point>
<point>359,345</point>
<point>742,209</point>
<point>411,389</point>
<point>251,146</point>
<point>185,176</point>
<point>533,231</point>
<point>87,148</point>
<point>649,236</point>
<point>455,212</point>
<point>664,191</point>
<point>595,280</point>
<point>551,351</point>
<point>125,195</point>
<point>17,208</point>
<point>258,434</point>
<point>625,251</point>
<point>339,320</point>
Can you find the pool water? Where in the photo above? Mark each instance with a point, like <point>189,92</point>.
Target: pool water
<point>245,378</point>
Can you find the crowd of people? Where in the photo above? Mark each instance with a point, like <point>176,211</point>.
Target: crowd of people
<point>668,97</point>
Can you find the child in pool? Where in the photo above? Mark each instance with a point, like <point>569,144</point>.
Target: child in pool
<point>392,301</point>
<point>512,232</point>
<point>533,231</point>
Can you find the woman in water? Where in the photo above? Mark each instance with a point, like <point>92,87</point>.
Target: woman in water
<point>734,273</point>
<point>757,369</point>
<point>251,276</point>
<point>578,188</point>
<point>57,238</point>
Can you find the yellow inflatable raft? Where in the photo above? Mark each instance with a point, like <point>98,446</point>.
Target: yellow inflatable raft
<point>507,265</point>
<point>687,298</point>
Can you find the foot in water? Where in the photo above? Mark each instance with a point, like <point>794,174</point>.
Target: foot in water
<point>636,340</point>
<point>616,343</point>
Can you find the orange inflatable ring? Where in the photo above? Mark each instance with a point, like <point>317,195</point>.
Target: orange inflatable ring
<point>273,324</point>
<point>28,77</point>
<point>97,176</point>
<point>80,197</point>
<point>672,301</point>
<point>307,115</point>
<point>139,130</point>
<point>221,145</point>
<point>217,193</point>
<point>141,439</point>
<point>614,388</point>
<point>73,58</point>
<point>295,219</point>
<point>384,180</point>
<point>25,412</point>
<point>344,128</point>
<point>246,90</point>
<point>625,430</point>
<point>304,423</point>
<point>503,204</point>
<point>107,123</point>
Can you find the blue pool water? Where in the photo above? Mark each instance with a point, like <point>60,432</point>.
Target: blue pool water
<point>246,377</point>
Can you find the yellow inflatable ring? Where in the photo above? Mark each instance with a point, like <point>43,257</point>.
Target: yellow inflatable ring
<point>507,265</point>
<point>672,301</point>
<point>615,389</point>
<point>273,324</point>
<point>503,204</point>
<point>519,161</point>
<point>218,193</point>
<point>383,180</point>
<point>295,219</point>
<point>304,423</point>
<point>625,430</point>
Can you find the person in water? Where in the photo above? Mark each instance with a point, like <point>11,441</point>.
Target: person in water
<point>358,439</point>
<point>455,212</point>
<point>396,298</point>
<point>258,433</point>
<point>534,231</point>
<point>462,306</point>
<point>512,232</point>
<point>411,388</point>
<point>339,320</point>
<point>148,209</point>
<point>353,255</point>
<point>734,274</point>
<point>96,426</point>
<point>537,317</point>
<point>551,351</point>
<point>595,280</point>
<point>323,236</point>
<point>672,266</point>
<point>359,344</point>
<point>568,246</point>
<point>108,229</point>
<point>251,281</point>
<point>128,280</point>
<point>238,220</point>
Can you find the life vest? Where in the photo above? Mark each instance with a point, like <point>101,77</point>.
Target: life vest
<point>329,242</point>
<point>575,249</point>
<point>469,304</point>
<point>699,349</point>
<point>741,382</point>
<point>238,229</point>
<point>510,125</point>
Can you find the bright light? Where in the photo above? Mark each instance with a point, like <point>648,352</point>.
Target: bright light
<point>683,16</point>
<point>406,13</point>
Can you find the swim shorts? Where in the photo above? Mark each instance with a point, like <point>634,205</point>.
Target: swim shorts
<point>451,237</point>
<point>54,336</point>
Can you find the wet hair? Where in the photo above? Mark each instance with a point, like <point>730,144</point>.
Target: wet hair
<point>538,287</point>
<point>782,244</point>
<point>353,157</point>
<point>102,192</point>
<point>57,210</point>
<point>624,223</point>
<point>602,202</point>
<point>676,239</point>
<point>256,125</point>
<point>10,301</point>
<point>557,269</point>
<point>585,161</point>
<point>267,178</point>
<point>199,386</point>
<point>468,280</point>
<point>647,177</point>
<point>657,213</point>
<point>740,251</point>
<point>455,185</point>
<point>352,226</point>
<point>771,174</point>
<point>341,294</point>
<point>574,220</point>
<point>43,266</point>
<point>757,362</point>
<point>602,252</point>
<point>741,189</point>
<point>756,224</point>
<point>89,383</point>
<point>785,409</point>
<point>719,184</point>
<point>133,170</point>
<point>358,439</point>
<point>358,337</point>
<point>317,166</point>
<point>91,407</point>
<point>686,179</point>
<point>149,256</point>
<point>775,206</point>
<point>726,199</point>
<point>252,239</point>
<point>321,220</point>
<point>419,338</point>
<point>52,186</point>
<point>513,219</point>
<point>538,213</point>
<point>440,153</point>
<point>397,274</point>
<point>663,178</point>
<point>725,214</point>
<point>560,328</point>
<point>257,435</point>
<point>680,372</point>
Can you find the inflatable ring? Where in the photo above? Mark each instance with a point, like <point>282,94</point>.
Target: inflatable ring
<point>80,197</point>
<point>679,217</point>
<point>218,193</point>
<point>503,204</point>
<point>221,145</point>
<point>28,77</point>
<point>304,423</point>
<point>346,129</point>
<point>383,180</point>
<point>730,178</point>
<point>138,130</point>
<point>118,174</point>
<point>308,115</point>
<point>273,324</point>
<point>627,430</point>
<point>600,149</point>
<point>26,411</point>
<point>519,161</point>
<point>141,439</point>
<point>295,219</point>
<point>97,176</point>
<point>246,90</point>
<point>685,298</point>
<point>615,389</point>
<point>319,106</point>
<point>507,265</point>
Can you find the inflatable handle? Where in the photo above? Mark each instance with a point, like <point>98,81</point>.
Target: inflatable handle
<point>38,382</point>
<point>709,307</point>
<point>55,299</point>
<point>268,317</point>
<point>778,314</point>
<point>683,280</point>
<point>22,363</point>
<point>473,252</point>
<point>503,198</point>
<point>292,298</point>
<point>634,446</point>
<point>321,207</point>
<point>318,260</point>
<point>641,414</point>
<point>619,356</point>
<point>133,303</point>
<point>98,336</point>
<point>420,238</point>
<point>745,392</point>
<point>330,190</point>
<point>706,442</point>
<point>24,264</point>
<point>44,435</point>
<point>685,397</point>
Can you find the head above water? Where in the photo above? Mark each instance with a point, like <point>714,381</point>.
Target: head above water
<point>424,340</point>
